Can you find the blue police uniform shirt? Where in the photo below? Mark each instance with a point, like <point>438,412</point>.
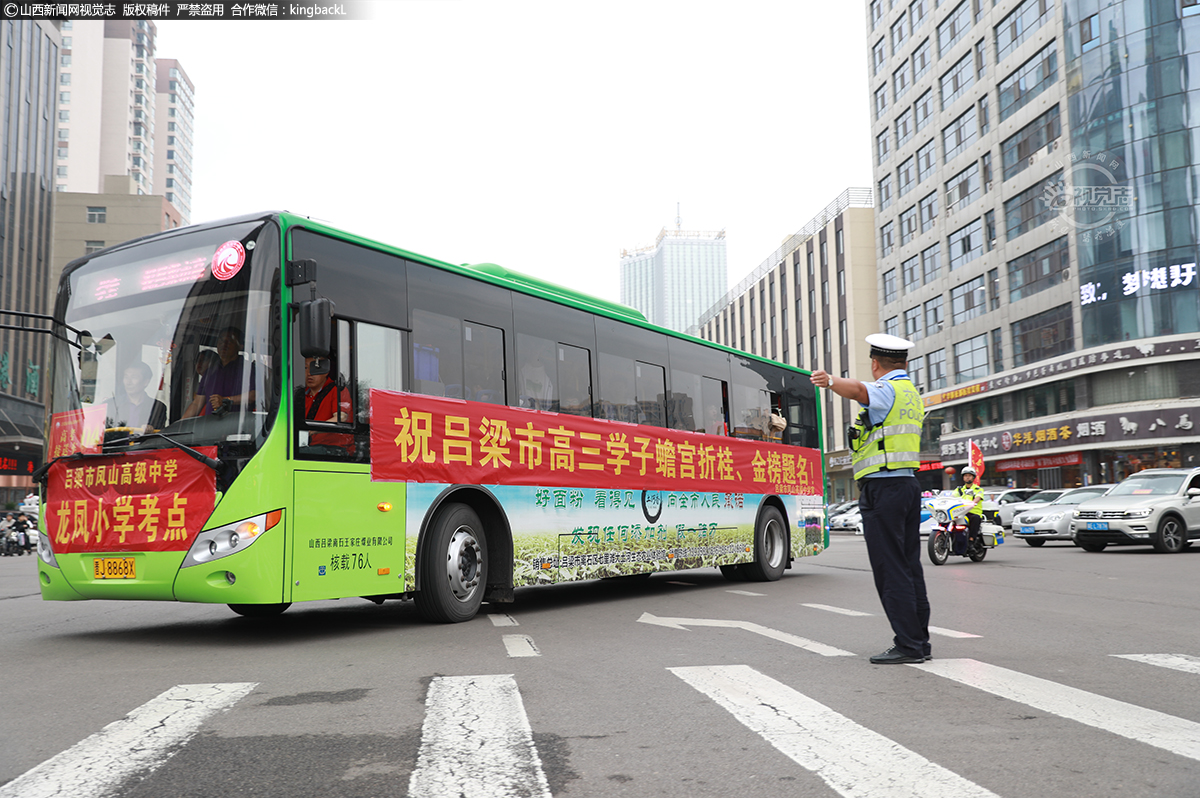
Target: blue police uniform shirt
<point>880,398</point>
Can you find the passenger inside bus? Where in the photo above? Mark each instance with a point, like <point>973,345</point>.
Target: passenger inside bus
<point>220,388</point>
<point>130,406</point>
<point>323,398</point>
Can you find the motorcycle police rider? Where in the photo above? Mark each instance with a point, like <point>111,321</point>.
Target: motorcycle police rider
<point>971,491</point>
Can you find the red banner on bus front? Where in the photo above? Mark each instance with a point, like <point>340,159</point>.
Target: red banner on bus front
<point>154,500</point>
<point>418,438</point>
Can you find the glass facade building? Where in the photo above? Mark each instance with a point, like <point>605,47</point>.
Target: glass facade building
<point>1134,120</point>
<point>677,279</point>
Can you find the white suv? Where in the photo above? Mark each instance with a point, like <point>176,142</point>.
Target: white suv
<point>1158,507</point>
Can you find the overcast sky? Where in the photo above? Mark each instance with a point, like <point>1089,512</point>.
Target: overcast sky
<point>543,136</point>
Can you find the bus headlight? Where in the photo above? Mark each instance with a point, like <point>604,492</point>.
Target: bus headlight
<point>213,544</point>
<point>46,551</point>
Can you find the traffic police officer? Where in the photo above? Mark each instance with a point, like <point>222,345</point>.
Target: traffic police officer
<point>970,491</point>
<point>885,445</point>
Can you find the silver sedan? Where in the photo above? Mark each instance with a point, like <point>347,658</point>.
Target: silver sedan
<point>1052,520</point>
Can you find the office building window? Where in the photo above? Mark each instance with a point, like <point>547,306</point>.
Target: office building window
<point>892,326</point>
<point>926,160</point>
<point>917,12</point>
<point>933,316</point>
<point>959,134</point>
<point>885,192</point>
<point>904,127</point>
<point>1043,335</point>
<point>910,273</point>
<point>886,240</point>
<point>921,60</point>
<point>908,225</point>
<point>1040,135</point>
<point>937,369</point>
<point>993,289</point>
<point>1089,33</point>
<point>957,80</point>
<point>883,146</point>
<point>912,323</point>
<point>923,109</point>
<point>889,286</point>
<point>97,214</point>
<point>980,59</point>
<point>997,350</point>
<point>916,369</point>
<point>878,56</point>
<point>966,244</point>
<point>843,337</point>
<point>1029,209</point>
<point>931,263</point>
<point>963,189</point>
<point>967,300</point>
<point>928,211</point>
<point>971,359</point>
<point>906,176</point>
<point>1038,270</point>
<point>881,101</point>
<point>876,12</point>
<point>953,27</point>
<point>899,33</point>
<point>92,246</point>
<point>1028,81</point>
<point>900,81</point>
<point>1022,21</point>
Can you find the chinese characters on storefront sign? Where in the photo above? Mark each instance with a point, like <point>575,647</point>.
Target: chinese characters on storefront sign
<point>145,501</point>
<point>433,439</point>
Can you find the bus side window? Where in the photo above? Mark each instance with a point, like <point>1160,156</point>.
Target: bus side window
<point>437,354</point>
<point>574,380</point>
<point>483,355</point>
<point>651,389</point>
<point>537,369</point>
<point>379,357</point>
<point>714,395</point>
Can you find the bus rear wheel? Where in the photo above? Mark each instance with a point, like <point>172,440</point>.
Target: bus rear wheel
<point>453,567</point>
<point>260,610</point>
<point>770,547</point>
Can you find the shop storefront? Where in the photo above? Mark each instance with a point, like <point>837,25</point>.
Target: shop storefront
<point>839,477</point>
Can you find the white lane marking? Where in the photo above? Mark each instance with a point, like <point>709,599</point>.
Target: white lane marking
<point>744,593</point>
<point>476,742</point>
<point>851,759</point>
<point>137,744</point>
<point>1127,720</point>
<point>503,620</point>
<point>937,630</point>
<point>838,610</point>
<point>774,634</point>
<point>1179,662</point>
<point>520,646</point>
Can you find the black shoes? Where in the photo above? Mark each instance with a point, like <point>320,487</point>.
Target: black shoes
<point>894,657</point>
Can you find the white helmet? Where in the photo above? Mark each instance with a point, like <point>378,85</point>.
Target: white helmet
<point>969,470</point>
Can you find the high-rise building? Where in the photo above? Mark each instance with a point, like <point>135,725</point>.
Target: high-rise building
<point>28,85</point>
<point>123,112</point>
<point>811,304</point>
<point>677,279</point>
<point>173,130</point>
<point>1037,227</point>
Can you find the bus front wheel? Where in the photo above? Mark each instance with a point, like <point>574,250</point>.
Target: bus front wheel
<point>770,548</point>
<point>453,567</point>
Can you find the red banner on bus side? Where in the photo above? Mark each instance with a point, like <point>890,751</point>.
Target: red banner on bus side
<point>418,438</point>
<point>154,500</point>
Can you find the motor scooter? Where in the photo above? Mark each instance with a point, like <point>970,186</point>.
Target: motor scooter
<point>950,517</point>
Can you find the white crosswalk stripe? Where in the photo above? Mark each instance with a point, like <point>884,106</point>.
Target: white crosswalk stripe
<point>476,742</point>
<point>1127,720</point>
<point>1178,662</point>
<point>851,759</point>
<point>137,744</point>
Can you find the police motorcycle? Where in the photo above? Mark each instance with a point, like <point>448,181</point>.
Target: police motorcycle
<point>949,512</point>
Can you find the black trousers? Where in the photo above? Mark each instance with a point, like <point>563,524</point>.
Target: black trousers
<point>891,514</point>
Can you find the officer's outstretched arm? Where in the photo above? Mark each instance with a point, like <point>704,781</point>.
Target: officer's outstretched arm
<point>842,386</point>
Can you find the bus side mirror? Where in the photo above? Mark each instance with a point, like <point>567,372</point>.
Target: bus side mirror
<point>316,327</point>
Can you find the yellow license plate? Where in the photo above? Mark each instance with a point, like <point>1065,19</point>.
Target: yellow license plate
<point>114,568</point>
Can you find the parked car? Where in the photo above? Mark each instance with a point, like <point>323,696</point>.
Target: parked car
<point>1013,509</point>
<point>1158,507</point>
<point>995,498</point>
<point>851,520</point>
<point>1052,521</point>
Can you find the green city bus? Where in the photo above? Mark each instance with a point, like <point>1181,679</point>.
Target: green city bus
<point>265,409</point>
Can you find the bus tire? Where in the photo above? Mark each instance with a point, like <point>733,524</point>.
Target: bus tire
<point>453,567</point>
<point>770,547</point>
<point>260,610</point>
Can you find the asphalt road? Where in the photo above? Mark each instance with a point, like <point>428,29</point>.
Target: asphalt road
<point>1031,692</point>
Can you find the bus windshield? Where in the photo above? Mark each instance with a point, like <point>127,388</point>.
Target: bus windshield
<point>175,338</point>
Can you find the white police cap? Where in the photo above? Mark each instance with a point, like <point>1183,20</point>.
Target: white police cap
<point>890,346</point>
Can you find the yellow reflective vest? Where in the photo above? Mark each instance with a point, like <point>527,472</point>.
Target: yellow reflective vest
<point>896,443</point>
<point>975,493</point>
